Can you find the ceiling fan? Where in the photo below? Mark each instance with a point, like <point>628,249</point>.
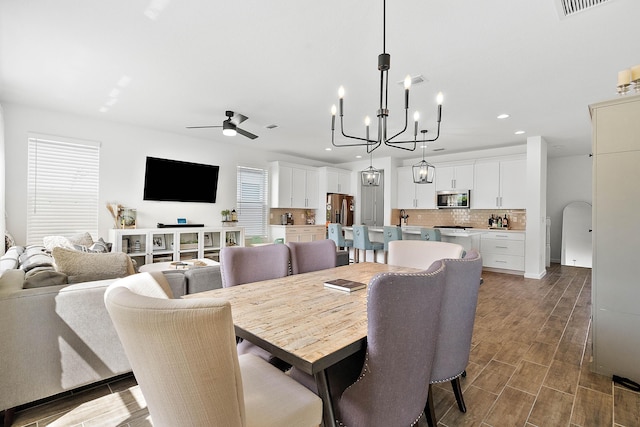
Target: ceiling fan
<point>230,125</point>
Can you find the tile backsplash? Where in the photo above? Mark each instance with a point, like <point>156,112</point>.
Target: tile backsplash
<point>476,218</point>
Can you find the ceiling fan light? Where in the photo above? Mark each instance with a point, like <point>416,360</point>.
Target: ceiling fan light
<point>228,129</point>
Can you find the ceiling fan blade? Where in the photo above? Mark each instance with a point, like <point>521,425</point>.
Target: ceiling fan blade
<point>202,127</point>
<point>238,118</point>
<point>245,133</point>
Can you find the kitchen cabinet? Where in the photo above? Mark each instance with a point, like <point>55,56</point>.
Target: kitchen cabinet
<point>298,233</point>
<point>149,245</point>
<point>338,181</point>
<point>503,249</point>
<point>458,177</point>
<point>615,290</point>
<point>293,186</point>
<point>411,195</point>
<point>500,184</point>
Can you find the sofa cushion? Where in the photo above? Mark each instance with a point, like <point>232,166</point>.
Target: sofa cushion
<point>43,276</point>
<point>84,266</point>
<point>11,281</point>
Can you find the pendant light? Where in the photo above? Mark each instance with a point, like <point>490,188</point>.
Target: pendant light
<point>423,172</point>
<point>370,177</point>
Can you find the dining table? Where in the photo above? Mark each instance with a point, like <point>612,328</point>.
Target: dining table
<point>299,320</point>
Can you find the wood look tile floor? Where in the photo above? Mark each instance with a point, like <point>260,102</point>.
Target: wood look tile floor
<point>529,366</point>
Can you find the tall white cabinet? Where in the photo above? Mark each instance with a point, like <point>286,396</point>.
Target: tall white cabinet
<point>500,184</point>
<point>616,270</point>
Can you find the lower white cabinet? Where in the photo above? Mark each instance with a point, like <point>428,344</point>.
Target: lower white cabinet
<point>298,233</point>
<point>503,249</point>
<point>149,245</point>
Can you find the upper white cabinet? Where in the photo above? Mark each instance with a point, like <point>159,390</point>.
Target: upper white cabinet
<point>500,184</point>
<point>458,177</point>
<point>293,186</point>
<point>411,195</point>
<point>338,180</point>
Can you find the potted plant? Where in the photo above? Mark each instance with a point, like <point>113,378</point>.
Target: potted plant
<point>225,214</point>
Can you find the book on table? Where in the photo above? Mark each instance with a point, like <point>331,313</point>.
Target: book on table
<point>344,285</point>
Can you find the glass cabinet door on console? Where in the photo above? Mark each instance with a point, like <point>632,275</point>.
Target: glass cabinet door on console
<point>189,245</point>
<point>160,247</point>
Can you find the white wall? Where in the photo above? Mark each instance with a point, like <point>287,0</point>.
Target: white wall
<point>122,164</point>
<point>568,180</point>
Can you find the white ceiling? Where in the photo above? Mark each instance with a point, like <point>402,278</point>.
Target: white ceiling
<point>281,62</point>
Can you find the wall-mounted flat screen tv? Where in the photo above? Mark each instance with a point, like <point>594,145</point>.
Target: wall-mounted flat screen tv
<point>176,181</point>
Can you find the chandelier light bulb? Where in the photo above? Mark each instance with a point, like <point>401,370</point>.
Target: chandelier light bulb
<point>439,98</point>
<point>416,116</point>
<point>334,110</point>
<point>341,92</point>
<point>407,82</point>
<point>367,121</point>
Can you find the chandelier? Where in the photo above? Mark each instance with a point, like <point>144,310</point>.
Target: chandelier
<point>384,62</point>
<point>423,171</point>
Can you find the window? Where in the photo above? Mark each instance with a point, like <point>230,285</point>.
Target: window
<point>62,187</point>
<point>252,201</point>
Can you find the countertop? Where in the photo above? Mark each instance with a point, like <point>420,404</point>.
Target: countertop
<point>451,232</point>
<point>297,225</point>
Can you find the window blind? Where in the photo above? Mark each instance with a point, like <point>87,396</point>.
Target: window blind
<point>252,199</point>
<point>62,188</point>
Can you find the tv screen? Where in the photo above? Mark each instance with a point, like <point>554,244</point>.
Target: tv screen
<point>176,181</point>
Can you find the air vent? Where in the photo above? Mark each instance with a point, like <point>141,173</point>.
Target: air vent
<point>271,126</point>
<point>567,8</point>
<point>414,80</point>
<point>438,149</point>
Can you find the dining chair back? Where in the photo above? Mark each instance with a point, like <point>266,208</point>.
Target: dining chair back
<point>391,233</point>
<point>335,233</point>
<point>361,242</point>
<point>312,256</point>
<point>184,357</point>
<point>463,278</point>
<point>420,253</point>
<point>403,312</point>
<point>240,265</point>
<point>432,234</point>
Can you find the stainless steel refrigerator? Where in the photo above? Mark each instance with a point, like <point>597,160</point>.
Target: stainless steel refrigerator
<point>340,208</point>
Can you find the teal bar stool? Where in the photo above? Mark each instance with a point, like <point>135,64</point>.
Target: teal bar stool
<point>391,233</point>
<point>335,234</point>
<point>432,234</point>
<point>361,242</point>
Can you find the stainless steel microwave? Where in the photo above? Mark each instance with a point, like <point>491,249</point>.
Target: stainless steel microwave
<point>453,199</point>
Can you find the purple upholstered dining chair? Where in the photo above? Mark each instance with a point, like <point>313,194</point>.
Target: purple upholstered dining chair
<point>403,313</point>
<point>456,325</point>
<point>312,256</point>
<point>240,265</point>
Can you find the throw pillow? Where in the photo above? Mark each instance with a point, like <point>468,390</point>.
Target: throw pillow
<point>9,241</point>
<point>84,267</point>
<point>51,242</point>
<point>34,256</point>
<point>83,239</point>
<point>43,276</point>
<point>98,247</point>
<point>11,258</point>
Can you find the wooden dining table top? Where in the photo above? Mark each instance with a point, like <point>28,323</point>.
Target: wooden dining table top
<point>298,319</point>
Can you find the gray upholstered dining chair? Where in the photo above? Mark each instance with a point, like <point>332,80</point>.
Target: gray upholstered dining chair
<point>391,233</point>
<point>403,311</point>
<point>240,265</point>
<point>432,234</point>
<point>457,316</point>
<point>381,386</point>
<point>361,242</point>
<point>421,254</point>
<point>312,256</point>
<point>335,233</point>
<point>184,357</point>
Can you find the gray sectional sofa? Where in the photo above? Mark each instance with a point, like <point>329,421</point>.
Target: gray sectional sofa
<point>56,337</point>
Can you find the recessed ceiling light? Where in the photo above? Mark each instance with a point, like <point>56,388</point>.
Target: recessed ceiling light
<point>327,149</point>
<point>519,132</point>
<point>358,157</point>
<point>503,116</point>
